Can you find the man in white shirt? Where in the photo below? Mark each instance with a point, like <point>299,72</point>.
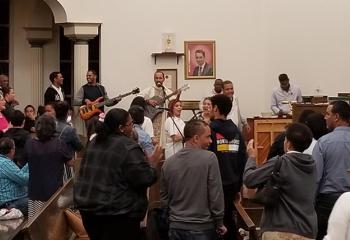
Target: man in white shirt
<point>54,92</point>
<point>235,113</point>
<point>284,95</point>
<point>158,89</point>
<point>149,94</point>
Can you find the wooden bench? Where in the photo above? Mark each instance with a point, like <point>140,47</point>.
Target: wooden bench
<point>246,221</point>
<point>50,222</point>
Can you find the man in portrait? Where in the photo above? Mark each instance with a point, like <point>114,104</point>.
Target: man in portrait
<point>202,68</point>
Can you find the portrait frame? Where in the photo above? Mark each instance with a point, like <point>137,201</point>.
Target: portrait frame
<point>191,65</point>
<point>170,76</point>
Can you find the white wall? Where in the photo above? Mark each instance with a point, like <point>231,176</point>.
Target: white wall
<point>25,14</point>
<point>255,41</point>
<point>309,40</point>
<point>134,31</point>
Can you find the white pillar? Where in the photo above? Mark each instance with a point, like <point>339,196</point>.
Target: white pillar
<point>37,37</point>
<point>80,33</point>
<point>81,65</point>
<point>36,76</point>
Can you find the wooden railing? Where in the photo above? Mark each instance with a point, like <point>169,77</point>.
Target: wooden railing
<point>50,222</point>
<point>249,225</point>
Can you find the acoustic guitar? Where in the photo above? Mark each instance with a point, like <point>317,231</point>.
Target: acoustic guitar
<point>152,111</point>
<point>89,110</point>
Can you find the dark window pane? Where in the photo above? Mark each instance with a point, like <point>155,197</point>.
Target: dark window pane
<point>4,68</point>
<point>4,43</point>
<point>66,70</point>
<point>94,48</point>
<point>4,11</point>
<point>66,47</point>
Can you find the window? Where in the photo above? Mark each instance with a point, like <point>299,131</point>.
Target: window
<point>4,36</point>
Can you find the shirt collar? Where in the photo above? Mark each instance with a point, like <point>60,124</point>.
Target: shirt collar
<point>56,88</point>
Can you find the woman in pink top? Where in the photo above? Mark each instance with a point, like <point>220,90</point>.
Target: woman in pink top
<point>3,122</point>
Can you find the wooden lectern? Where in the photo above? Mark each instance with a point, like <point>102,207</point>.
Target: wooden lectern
<point>298,108</point>
<point>265,131</point>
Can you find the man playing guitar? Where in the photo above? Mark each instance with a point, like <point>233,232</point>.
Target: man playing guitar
<point>89,93</point>
<point>158,90</point>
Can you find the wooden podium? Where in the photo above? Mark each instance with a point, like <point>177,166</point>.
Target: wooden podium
<point>265,131</point>
<point>298,108</point>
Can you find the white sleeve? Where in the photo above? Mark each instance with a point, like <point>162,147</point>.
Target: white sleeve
<point>339,220</point>
<point>145,93</point>
<point>148,126</point>
<point>169,127</point>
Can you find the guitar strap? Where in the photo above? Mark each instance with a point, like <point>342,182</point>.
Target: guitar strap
<point>164,93</point>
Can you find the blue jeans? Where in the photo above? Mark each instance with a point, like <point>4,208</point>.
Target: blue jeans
<point>179,234</point>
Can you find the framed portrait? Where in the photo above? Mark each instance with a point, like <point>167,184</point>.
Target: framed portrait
<point>200,60</point>
<point>170,76</point>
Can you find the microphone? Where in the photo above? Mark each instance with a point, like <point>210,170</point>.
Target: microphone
<point>163,108</point>
<point>159,84</point>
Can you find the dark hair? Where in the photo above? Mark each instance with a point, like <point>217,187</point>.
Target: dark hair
<point>41,110</point>
<point>317,125</point>
<point>206,98</point>
<point>299,135</point>
<point>140,101</point>
<point>114,118</point>
<point>45,128</point>
<point>341,108</point>
<point>93,71</point>
<point>53,75</point>
<point>200,51</point>
<point>226,82</point>
<point>61,110</point>
<point>6,90</point>
<point>283,77</point>
<point>17,118</point>
<point>194,127</point>
<point>29,106</point>
<point>159,72</point>
<point>223,103</point>
<point>218,80</point>
<point>137,114</point>
<point>171,106</point>
<point>304,115</point>
<point>6,144</point>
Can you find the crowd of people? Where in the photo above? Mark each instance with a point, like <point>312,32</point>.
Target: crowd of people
<point>207,161</point>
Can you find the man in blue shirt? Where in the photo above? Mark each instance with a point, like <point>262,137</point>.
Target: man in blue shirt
<point>13,180</point>
<point>332,157</point>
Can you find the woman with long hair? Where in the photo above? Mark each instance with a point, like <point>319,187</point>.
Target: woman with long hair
<point>174,127</point>
<point>110,189</point>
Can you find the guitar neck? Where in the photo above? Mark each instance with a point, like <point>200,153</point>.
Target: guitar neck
<point>167,97</point>
<point>98,105</point>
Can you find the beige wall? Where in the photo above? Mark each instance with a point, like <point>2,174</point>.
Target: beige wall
<point>255,41</point>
